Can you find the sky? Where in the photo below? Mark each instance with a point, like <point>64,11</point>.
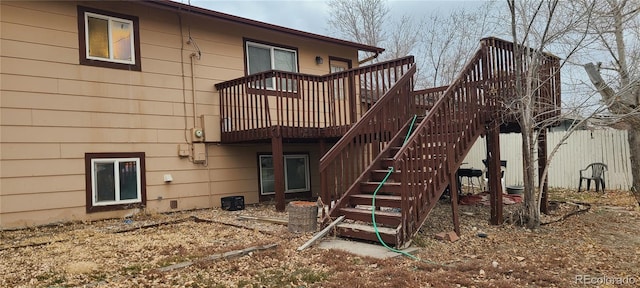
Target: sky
<point>313,15</point>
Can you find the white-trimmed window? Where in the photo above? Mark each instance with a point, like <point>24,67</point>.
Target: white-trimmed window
<point>262,57</point>
<point>108,39</point>
<point>114,180</point>
<point>296,174</point>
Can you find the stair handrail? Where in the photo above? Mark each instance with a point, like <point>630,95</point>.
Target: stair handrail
<point>362,127</point>
<point>459,116</point>
<point>440,153</point>
<point>331,154</point>
<point>375,193</point>
<point>447,93</point>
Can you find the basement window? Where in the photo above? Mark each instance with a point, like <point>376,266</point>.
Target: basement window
<point>115,181</point>
<point>296,172</point>
<point>108,39</point>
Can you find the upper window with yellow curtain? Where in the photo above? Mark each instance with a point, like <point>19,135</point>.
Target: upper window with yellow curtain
<point>108,39</point>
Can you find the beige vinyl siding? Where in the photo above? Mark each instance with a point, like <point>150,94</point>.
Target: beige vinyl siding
<point>54,110</point>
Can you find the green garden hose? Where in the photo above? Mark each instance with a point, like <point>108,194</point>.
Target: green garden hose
<point>373,207</point>
<point>373,218</point>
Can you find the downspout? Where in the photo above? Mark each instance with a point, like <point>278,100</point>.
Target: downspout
<point>198,55</point>
<point>374,56</point>
<point>184,94</point>
<point>193,56</point>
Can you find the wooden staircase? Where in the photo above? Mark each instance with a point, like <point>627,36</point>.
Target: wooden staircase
<point>388,199</point>
<point>388,202</point>
<point>418,167</point>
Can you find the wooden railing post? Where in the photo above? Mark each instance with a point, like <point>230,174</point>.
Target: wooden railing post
<point>352,98</point>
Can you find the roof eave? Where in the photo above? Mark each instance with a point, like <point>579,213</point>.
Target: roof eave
<point>235,19</point>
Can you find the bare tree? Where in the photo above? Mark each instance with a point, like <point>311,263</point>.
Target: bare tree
<point>537,26</point>
<point>617,22</point>
<point>403,38</point>
<point>362,21</point>
<point>370,22</point>
<point>450,39</point>
<point>443,42</point>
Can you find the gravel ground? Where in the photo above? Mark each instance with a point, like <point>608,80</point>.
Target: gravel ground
<point>600,246</point>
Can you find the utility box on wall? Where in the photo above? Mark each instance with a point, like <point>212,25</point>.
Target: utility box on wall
<point>183,150</point>
<point>199,153</point>
<point>211,127</point>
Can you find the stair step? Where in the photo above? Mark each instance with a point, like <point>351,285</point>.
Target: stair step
<point>381,200</point>
<point>383,218</point>
<point>367,228</point>
<point>387,187</point>
<point>386,162</point>
<point>378,175</point>
<point>367,232</point>
<point>385,171</point>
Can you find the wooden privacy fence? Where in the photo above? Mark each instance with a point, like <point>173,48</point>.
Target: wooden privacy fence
<point>581,148</point>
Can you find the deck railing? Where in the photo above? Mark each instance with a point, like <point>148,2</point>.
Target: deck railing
<point>426,98</point>
<point>343,166</point>
<point>441,141</point>
<point>302,105</point>
<point>501,66</point>
<point>432,152</point>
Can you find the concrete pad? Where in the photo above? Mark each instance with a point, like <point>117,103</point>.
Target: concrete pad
<point>362,249</point>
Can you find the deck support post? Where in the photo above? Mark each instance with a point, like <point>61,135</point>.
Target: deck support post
<point>493,166</point>
<point>324,193</point>
<point>278,168</point>
<point>453,191</point>
<point>542,162</point>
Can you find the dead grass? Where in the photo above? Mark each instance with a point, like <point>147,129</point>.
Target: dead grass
<point>601,242</point>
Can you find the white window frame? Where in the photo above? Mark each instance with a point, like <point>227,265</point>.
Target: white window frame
<point>286,181</point>
<point>273,60</point>
<point>116,173</point>
<point>110,19</point>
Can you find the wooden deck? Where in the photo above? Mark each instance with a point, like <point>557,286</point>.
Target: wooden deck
<point>290,133</point>
<point>303,107</point>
